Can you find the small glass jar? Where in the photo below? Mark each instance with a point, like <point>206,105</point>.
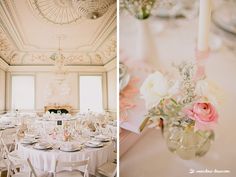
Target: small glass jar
<point>182,139</point>
<point>141,9</point>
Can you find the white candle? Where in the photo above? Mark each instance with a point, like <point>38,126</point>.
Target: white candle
<point>204,25</point>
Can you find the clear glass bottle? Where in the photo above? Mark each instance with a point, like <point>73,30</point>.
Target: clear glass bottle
<point>182,139</point>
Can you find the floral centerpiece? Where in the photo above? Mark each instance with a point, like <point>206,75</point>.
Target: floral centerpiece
<point>184,107</point>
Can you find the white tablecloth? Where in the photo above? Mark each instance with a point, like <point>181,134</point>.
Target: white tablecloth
<point>45,160</point>
<point>149,157</point>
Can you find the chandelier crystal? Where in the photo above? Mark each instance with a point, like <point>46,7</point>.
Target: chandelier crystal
<point>59,60</point>
<point>92,9</point>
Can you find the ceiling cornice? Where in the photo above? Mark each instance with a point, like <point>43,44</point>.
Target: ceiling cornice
<point>10,26</point>
<point>3,65</point>
<point>111,65</point>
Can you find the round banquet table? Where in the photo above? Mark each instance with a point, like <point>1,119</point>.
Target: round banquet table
<point>45,159</point>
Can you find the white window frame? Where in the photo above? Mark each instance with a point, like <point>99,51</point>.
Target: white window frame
<point>104,88</point>
<point>34,77</point>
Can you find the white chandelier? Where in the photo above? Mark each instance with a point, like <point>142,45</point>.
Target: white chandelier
<point>59,62</point>
<point>92,9</point>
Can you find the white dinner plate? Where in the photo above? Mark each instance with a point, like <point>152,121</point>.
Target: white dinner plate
<point>102,138</point>
<point>26,141</point>
<point>41,146</point>
<point>32,136</point>
<point>74,149</point>
<point>88,144</point>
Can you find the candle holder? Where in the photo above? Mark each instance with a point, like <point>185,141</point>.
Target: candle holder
<point>201,57</point>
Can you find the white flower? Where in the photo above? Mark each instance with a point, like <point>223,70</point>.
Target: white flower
<point>155,88</point>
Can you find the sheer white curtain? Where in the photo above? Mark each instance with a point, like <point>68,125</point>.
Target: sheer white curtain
<point>22,95</point>
<point>91,93</point>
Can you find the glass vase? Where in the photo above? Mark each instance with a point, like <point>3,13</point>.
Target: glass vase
<point>187,143</point>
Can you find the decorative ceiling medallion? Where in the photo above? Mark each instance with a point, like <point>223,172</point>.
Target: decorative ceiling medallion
<point>56,11</point>
<point>69,11</point>
<point>92,9</point>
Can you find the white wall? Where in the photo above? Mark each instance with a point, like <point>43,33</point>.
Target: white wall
<point>44,74</point>
<point>48,92</point>
<point>45,92</point>
<point>112,87</point>
<point>3,68</point>
<point>2,90</point>
<point>111,81</point>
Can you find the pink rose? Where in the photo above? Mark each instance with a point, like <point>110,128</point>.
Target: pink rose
<point>204,114</point>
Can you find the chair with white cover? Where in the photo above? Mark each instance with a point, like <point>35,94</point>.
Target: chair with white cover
<point>108,170</point>
<point>8,138</point>
<point>71,169</point>
<point>6,150</point>
<point>15,161</point>
<point>3,164</point>
<point>26,169</point>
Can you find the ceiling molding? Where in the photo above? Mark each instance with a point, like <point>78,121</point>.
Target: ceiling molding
<point>111,65</point>
<point>3,65</point>
<point>16,50</point>
<point>105,53</point>
<point>106,31</point>
<point>10,25</point>
<point>13,69</point>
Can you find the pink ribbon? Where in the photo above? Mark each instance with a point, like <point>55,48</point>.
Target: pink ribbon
<point>126,98</point>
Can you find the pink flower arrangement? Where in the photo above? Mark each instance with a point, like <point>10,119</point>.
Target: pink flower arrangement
<point>190,104</point>
<point>204,114</point>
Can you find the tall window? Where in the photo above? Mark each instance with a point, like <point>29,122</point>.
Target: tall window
<point>91,93</point>
<point>22,95</point>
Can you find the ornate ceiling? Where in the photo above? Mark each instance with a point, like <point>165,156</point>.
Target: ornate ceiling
<point>28,39</point>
